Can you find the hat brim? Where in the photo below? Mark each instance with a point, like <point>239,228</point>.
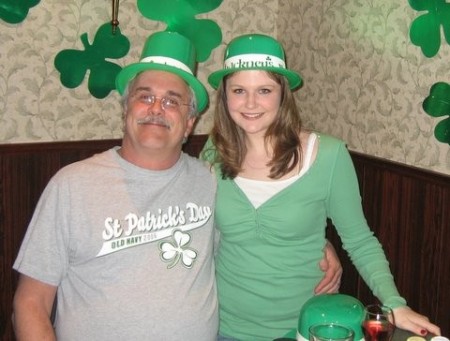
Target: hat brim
<point>130,71</point>
<point>292,77</point>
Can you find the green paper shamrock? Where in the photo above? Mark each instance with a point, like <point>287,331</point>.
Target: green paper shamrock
<point>425,30</point>
<point>15,11</point>
<point>73,64</point>
<point>438,104</point>
<point>179,15</point>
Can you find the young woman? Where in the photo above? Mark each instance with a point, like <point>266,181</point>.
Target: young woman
<point>277,185</point>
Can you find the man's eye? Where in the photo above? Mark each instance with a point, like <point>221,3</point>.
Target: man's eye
<point>171,102</point>
<point>146,98</point>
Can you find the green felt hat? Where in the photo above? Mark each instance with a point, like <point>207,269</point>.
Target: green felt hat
<point>254,52</point>
<point>171,52</point>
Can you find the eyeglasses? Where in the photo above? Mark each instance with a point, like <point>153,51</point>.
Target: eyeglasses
<point>167,102</point>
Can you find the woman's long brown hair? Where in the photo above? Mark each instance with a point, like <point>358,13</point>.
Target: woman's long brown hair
<point>283,135</point>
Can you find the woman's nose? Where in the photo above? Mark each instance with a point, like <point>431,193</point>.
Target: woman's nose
<point>250,100</point>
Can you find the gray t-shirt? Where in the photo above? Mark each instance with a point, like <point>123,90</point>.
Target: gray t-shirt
<point>129,249</point>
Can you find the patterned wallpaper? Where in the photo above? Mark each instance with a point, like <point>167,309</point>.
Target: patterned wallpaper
<point>364,81</point>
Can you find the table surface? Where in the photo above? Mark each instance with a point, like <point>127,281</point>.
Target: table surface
<point>399,335</point>
<point>402,335</point>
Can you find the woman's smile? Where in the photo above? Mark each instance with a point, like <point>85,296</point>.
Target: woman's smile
<point>252,116</point>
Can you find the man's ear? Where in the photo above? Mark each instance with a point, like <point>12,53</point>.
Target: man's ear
<point>124,118</point>
<point>190,126</point>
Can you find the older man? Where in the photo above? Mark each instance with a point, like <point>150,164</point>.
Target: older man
<point>125,238</point>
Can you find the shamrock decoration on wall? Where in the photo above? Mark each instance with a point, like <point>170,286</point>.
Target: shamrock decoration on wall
<point>425,30</point>
<point>180,17</point>
<point>73,64</point>
<point>437,104</point>
<point>178,14</point>
<point>15,11</point>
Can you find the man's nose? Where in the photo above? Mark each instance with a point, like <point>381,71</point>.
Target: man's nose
<point>156,108</point>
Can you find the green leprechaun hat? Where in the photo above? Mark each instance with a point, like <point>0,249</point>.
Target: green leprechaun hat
<point>255,52</point>
<point>171,52</point>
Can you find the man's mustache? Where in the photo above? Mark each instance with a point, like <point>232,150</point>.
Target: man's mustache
<point>152,119</point>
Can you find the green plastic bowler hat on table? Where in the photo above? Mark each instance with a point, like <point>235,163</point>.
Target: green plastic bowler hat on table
<point>331,308</point>
<point>255,52</point>
<point>170,52</point>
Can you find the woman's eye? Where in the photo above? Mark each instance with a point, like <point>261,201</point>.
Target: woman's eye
<point>238,91</point>
<point>265,91</point>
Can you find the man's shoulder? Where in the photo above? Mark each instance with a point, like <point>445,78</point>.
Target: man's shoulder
<point>198,165</point>
<point>201,171</point>
<point>86,166</point>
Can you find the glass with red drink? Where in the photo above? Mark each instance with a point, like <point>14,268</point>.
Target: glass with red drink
<point>378,323</point>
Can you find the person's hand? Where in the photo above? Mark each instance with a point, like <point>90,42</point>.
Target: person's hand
<point>408,319</point>
<point>331,265</point>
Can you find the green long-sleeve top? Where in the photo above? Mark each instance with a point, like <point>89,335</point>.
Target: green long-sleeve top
<point>268,258</point>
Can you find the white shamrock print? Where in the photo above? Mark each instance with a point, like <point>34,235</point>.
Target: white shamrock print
<point>173,252</point>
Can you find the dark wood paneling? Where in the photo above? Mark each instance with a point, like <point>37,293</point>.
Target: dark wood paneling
<point>407,208</point>
<point>409,211</point>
